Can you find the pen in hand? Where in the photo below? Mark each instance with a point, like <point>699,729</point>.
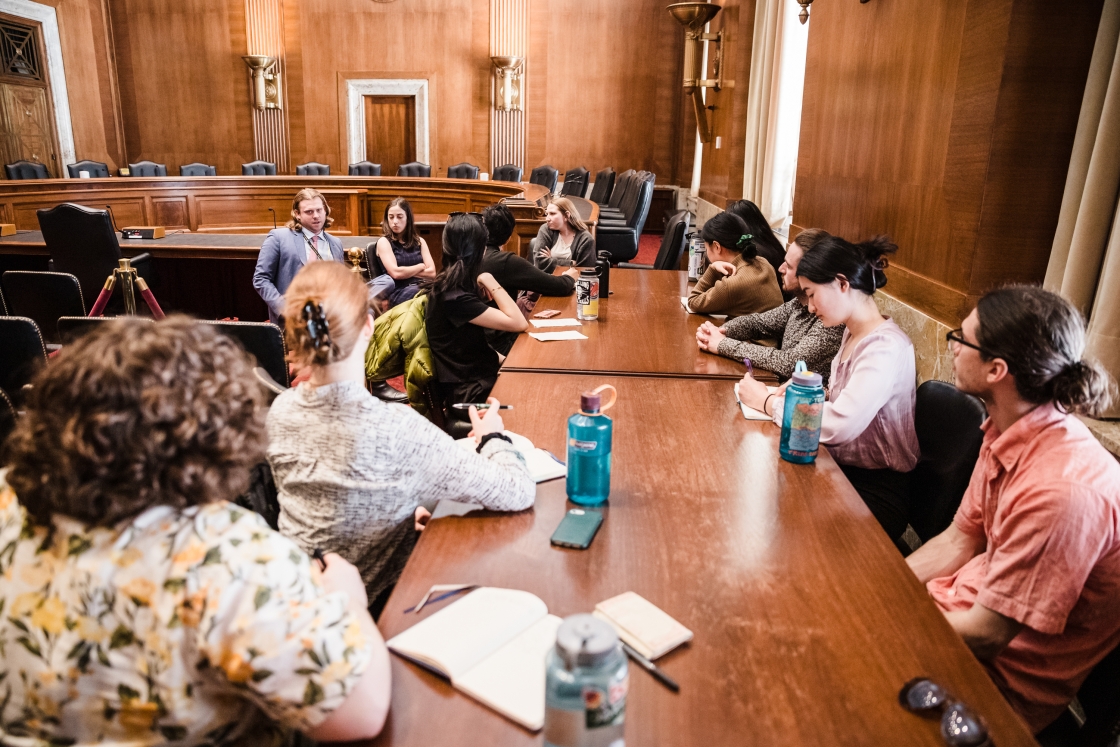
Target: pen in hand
<point>479,405</point>
<point>750,368</point>
<point>317,554</point>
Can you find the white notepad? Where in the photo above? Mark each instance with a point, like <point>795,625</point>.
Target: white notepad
<point>642,624</point>
<point>556,322</point>
<point>492,645</point>
<point>749,412</point>
<point>568,334</point>
<point>542,464</point>
<point>684,303</point>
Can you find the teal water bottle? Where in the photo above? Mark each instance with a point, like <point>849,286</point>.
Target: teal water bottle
<point>801,419</point>
<point>589,449</point>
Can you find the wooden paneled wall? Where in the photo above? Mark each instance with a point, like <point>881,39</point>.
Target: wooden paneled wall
<point>949,127</point>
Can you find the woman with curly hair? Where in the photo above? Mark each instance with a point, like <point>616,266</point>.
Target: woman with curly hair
<point>140,605</point>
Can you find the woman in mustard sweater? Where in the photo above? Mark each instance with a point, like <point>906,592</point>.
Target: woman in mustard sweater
<point>738,281</point>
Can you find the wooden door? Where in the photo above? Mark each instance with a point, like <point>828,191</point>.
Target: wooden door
<point>390,131</point>
<point>27,126</point>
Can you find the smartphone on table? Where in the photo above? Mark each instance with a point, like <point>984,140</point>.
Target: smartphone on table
<point>577,528</point>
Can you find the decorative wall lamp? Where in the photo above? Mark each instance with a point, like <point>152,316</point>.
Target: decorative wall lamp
<point>507,82</point>
<point>693,16</point>
<point>266,81</point>
<point>803,16</point>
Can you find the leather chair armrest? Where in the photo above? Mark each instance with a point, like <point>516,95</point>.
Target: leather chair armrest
<point>614,229</point>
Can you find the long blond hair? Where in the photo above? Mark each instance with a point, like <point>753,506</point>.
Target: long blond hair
<point>568,210</point>
<point>308,193</point>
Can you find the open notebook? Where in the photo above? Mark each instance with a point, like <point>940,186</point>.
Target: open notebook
<point>749,412</point>
<point>542,465</point>
<point>492,645</point>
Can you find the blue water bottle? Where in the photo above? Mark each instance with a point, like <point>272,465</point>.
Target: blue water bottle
<point>801,419</point>
<point>589,449</point>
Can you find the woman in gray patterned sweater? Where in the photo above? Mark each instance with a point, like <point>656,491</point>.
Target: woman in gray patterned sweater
<point>352,471</point>
<point>800,335</point>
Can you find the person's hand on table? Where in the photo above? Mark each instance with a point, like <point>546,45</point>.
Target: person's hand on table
<point>708,337</point>
<point>341,575</point>
<point>725,268</point>
<point>422,515</point>
<point>753,393</point>
<point>489,422</point>
<point>572,272</point>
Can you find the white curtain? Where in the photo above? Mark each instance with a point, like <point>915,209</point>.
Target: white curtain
<point>776,84</point>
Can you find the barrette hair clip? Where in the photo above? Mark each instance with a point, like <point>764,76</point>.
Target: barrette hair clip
<point>318,328</point>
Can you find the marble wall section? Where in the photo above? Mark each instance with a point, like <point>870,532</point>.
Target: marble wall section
<point>934,360</point>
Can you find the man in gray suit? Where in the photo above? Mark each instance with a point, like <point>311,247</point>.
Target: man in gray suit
<point>304,239</point>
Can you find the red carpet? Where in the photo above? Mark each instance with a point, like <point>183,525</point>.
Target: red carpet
<point>648,245</point>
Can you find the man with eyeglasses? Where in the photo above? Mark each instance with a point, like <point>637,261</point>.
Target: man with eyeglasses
<point>1028,573</point>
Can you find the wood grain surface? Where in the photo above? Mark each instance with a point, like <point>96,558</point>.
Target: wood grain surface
<point>806,619</point>
<point>642,330</point>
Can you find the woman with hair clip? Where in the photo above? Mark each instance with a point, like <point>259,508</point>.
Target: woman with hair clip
<point>765,242</point>
<point>457,316</point>
<point>356,475</point>
<point>403,253</point>
<point>737,282</point>
<point>563,240</point>
<point>868,421</point>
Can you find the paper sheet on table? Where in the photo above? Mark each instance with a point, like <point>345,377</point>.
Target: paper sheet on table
<point>749,412</point>
<point>568,334</point>
<point>684,303</point>
<point>556,322</point>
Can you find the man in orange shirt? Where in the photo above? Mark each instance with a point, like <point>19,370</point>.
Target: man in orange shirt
<point>1029,571</point>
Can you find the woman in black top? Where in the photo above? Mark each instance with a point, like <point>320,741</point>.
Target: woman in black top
<point>402,252</point>
<point>457,314</point>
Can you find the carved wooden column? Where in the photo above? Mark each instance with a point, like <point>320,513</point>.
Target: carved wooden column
<point>509,35</point>
<point>265,35</point>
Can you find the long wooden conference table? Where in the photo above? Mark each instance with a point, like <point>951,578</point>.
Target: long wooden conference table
<point>807,621</point>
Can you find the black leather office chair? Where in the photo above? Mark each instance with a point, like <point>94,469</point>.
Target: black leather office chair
<point>545,176</point>
<point>22,354</point>
<point>1099,697</point>
<point>264,341</point>
<point>365,168</point>
<point>313,169</point>
<point>95,168</point>
<point>575,182</point>
<point>258,168</point>
<point>26,170</point>
<point>673,243</point>
<point>623,189</point>
<point>83,243</point>
<point>462,171</point>
<point>198,169</point>
<point>43,297</point>
<point>3,305</point>
<point>507,173</point>
<point>70,328</point>
<point>147,168</point>
<point>604,185</point>
<point>7,416</point>
<point>948,425</point>
<point>621,241</point>
<point>414,169</point>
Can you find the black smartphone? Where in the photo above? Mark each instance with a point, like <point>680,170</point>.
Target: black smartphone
<point>577,528</point>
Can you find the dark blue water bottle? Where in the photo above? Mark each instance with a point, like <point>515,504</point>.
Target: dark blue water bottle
<point>589,449</point>
<point>801,418</point>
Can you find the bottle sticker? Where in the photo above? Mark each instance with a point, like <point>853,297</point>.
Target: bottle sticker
<point>804,441</point>
<point>585,446</point>
<point>600,710</point>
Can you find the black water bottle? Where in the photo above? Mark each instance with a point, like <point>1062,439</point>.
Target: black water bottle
<point>603,270</point>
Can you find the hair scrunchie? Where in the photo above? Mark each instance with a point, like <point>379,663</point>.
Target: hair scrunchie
<point>318,328</point>
<point>743,240</point>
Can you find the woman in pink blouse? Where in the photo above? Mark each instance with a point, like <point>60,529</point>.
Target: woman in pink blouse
<point>868,421</point>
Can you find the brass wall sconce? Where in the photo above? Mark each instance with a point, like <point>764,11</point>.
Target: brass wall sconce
<point>507,82</point>
<point>803,16</point>
<point>693,16</point>
<point>266,81</point>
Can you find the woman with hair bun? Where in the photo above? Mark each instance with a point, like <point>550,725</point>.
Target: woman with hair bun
<point>354,473</point>
<point>868,421</point>
<point>738,282</point>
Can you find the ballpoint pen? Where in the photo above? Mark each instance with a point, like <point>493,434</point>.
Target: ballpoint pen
<point>652,668</point>
<point>479,405</point>
<point>750,368</point>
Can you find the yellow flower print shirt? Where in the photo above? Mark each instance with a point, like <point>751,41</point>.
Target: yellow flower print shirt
<point>200,626</point>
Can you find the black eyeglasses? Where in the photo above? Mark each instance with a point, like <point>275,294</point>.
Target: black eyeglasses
<point>960,725</point>
<point>957,336</point>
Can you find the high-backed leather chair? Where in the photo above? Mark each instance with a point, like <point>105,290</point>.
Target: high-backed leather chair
<point>198,169</point>
<point>462,171</point>
<point>147,168</point>
<point>83,243</point>
<point>365,168</point>
<point>258,168</point>
<point>70,328</point>
<point>95,168</point>
<point>414,169</point>
<point>545,176</point>
<point>7,416</point>
<point>26,170</point>
<point>264,341</point>
<point>947,422</point>
<point>43,297</point>
<point>24,352</point>
<point>673,243</point>
<point>604,185</point>
<point>507,173</point>
<point>623,187</point>
<point>575,182</point>
<point>621,241</point>
<point>313,169</point>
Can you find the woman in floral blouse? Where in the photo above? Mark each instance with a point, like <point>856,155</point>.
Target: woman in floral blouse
<point>136,604</point>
